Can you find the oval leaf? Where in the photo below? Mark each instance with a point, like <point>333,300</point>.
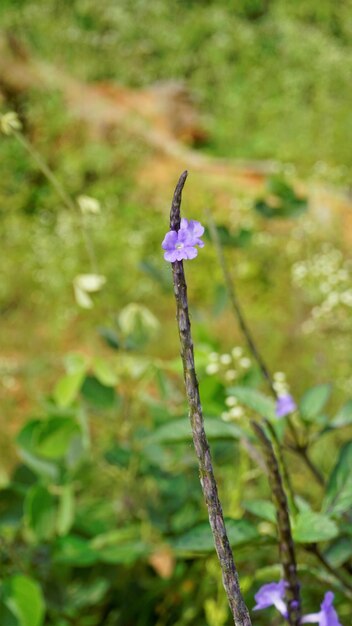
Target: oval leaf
<point>199,539</point>
<point>24,598</point>
<point>254,400</point>
<point>314,400</point>
<point>179,431</point>
<point>311,527</point>
<point>338,498</point>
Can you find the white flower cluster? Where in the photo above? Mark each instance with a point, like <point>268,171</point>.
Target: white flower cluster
<point>280,384</point>
<point>327,276</point>
<point>234,412</point>
<point>230,366</point>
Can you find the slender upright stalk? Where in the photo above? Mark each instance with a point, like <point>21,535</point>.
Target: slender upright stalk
<point>61,192</point>
<point>286,543</point>
<point>297,448</point>
<point>229,572</point>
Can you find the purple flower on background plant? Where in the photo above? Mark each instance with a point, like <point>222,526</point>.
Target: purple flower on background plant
<point>272,594</point>
<point>181,244</point>
<point>327,616</point>
<point>285,405</point>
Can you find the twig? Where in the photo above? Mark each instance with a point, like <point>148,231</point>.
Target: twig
<point>347,587</point>
<point>236,305</point>
<point>286,543</point>
<point>301,451</point>
<point>229,572</point>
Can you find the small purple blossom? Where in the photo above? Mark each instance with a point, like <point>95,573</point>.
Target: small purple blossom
<point>272,594</point>
<point>195,230</point>
<point>179,245</point>
<point>285,405</point>
<point>327,616</point>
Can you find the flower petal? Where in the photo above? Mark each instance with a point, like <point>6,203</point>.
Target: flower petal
<point>169,240</point>
<point>171,255</point>
<point>190,252</point>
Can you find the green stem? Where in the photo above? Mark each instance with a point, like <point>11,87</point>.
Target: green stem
<point>66,199</point>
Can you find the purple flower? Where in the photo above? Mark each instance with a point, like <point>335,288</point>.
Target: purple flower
<point>195,230</point>
<point>272,594</point>
<point>285,405</point>
<point>181,244</point>
<point>327,616</point>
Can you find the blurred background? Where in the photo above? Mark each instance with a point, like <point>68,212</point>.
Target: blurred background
<point>103,105</point>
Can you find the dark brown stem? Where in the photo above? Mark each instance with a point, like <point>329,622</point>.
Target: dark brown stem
<point>229,572</point>
<point>347,587</point>
<point>252,345</point>
<point>286,543</point>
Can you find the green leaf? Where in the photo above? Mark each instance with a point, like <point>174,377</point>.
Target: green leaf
<point>76,362</point>
<point>110,337</point>
<point>314,400</point>
<point>311,527</point>
<point>239,239</point>
<point>125,554</point>
<point>179,431</point>
<point>40,512</point>
<point>24,598</point>
<point>338,497</point>
<point>74,551</point>
<point>27,441</point>
<point>339,552</point>
<point>254,400</point>
<point>66,510</point>
<point>67,388</point>
<point>98,395</point>
<point>281,202</point>
<point>104,373</point>
<point>55,436</point>
<point>199,540</point>
<point>261,508</point>
<point>11,508</point>
<point>343,416</point>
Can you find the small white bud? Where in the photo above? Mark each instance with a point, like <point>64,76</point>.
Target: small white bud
<point>230,375</point>
<point>212,368</point>
<point>231,401</point>
<point>9,122</point>
<point>225,359</point>
<point>88,205</point>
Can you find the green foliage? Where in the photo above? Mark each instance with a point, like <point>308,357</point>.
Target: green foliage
<point>102,505</point>
<point>310,527</point>
<point>255,400</point>
<point>338,497</point>
<point>23,598</point>
<point>281,201</point>
<point>199,539</point>
<point>314,401</point>
<point>55,500</point>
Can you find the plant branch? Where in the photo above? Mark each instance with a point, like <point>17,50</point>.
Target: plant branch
<point>236,305</point>
<point>347,587</point>
<point>61,192</point>
<point>209,486</point>
<point>286,543</point>
<point>253,347</point>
